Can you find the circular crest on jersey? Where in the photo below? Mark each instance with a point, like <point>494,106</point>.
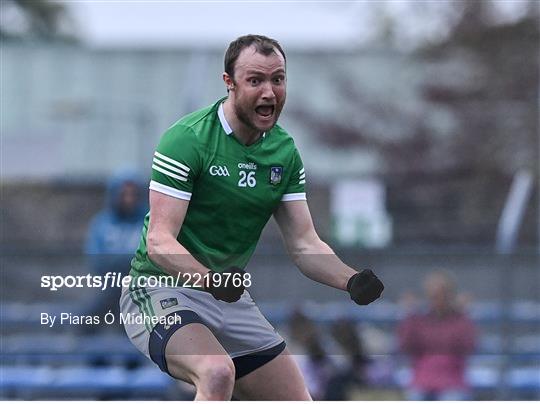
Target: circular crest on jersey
<point>276,172</point>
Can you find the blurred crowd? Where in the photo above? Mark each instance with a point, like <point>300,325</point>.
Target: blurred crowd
<point>435,338</point>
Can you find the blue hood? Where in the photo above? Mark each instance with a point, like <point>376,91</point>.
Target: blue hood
<point>115,184</point>
<point>112,234</point>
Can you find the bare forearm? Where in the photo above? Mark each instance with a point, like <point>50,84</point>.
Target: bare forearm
<point>319,263</point>
<point>171,256</point>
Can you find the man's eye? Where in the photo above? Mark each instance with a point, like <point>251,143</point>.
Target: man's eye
<point>278,80</point>
<point>254,82</point>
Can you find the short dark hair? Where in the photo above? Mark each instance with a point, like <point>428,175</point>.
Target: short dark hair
<point>263,45</point>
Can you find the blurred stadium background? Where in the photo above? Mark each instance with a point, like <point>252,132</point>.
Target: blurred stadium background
<point>412,144</point>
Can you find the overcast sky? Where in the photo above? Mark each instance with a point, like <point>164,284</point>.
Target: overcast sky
<point>161,23</point>
<point>323,24</point>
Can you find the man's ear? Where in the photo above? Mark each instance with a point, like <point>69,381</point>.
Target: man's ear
<point>229,82</point>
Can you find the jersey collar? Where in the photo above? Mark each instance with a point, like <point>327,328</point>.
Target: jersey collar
<point>224,124</point>
<point>223,120</point>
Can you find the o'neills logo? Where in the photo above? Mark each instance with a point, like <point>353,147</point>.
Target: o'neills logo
<point>247,166</point>
<point>220,171</point>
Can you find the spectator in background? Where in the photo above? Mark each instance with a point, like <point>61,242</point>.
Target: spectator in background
<point>438,342</point>
<point>114,234</point>
<point>306,342</point>
<point>351,373</point>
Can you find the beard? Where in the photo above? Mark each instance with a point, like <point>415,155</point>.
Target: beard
<point>245,115</point>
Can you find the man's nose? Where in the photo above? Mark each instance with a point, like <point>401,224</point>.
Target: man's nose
<point>268,91</point>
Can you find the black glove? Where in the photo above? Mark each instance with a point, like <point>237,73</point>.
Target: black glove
<point>364,287</point>
<point>227,285</point>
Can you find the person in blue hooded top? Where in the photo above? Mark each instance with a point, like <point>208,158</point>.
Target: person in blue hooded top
<point>113,236</point>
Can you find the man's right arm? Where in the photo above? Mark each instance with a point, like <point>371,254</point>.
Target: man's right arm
<point>166,218</point>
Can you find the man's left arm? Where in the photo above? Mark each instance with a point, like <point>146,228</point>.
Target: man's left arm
<point>317,260</point>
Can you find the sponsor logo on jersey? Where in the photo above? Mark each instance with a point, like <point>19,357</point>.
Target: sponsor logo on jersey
<point>220,171</point>
<point>276,173</point>
<point>170,302</point>
<point>247,166</point>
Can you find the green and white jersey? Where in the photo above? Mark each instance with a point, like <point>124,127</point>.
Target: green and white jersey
<point>232,189</point>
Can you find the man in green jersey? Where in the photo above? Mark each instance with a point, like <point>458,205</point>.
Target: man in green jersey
<point>218,175</point>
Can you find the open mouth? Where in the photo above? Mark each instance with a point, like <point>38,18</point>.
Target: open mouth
<point>265,110</point>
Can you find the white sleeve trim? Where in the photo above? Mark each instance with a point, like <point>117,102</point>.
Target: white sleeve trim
<point>164,189</point>
<point>300,196</point>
